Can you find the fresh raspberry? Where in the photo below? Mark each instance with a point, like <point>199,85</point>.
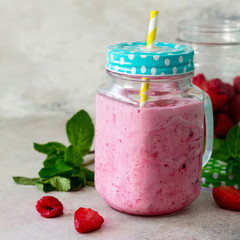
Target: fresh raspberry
<point>228,90</point>
<point>87,220</point>
<point>214,85</point>
<point>234,106</point>
<point>49,207</point>
<point>224,124</point>
<point>236,83</point>
<point>218,100</point>
<point>200,81</point>
<point>227,197</point>
<point>225,109</point>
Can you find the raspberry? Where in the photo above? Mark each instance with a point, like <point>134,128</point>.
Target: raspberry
<point>225,109</point>
<point>236,82</point>
<point>87,220</point>
<point>228,90</point>
<point>218,100</point>
<point>200,81</point>
<point>49,207</point>
<point>235,108</point>
<point>214,84</point>
<point>224,124</point>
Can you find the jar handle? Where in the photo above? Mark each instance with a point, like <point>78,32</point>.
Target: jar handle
<point>209,130</point>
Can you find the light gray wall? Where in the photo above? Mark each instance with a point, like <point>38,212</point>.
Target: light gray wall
<point>53,52</point>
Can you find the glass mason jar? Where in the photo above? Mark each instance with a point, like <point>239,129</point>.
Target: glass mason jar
<point>150,130</point>
<point>216,44</point>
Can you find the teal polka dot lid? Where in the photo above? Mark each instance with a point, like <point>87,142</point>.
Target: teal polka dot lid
<point>165,59</point>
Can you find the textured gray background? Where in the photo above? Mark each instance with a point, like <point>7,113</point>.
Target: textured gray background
<point>53,52</point>
<point>52,58</point>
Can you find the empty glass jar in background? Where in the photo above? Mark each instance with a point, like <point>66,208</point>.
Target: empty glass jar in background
<point>217,68</point>
<point>216,44</point>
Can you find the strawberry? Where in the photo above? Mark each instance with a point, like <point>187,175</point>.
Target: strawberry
<point>224,123</point>
<point>218,100</point>
<point>87,220</point>
<point>200,81</point>
<point>214,85</point>
<point>236,83</point>
<point>234,106</point>
<point>227,197</point>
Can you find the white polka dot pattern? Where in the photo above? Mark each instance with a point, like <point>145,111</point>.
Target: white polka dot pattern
<point>131,56</point>
<point>167,61</point>
<point>153,71</point>
<point>143,69</point>
<point>215,174</point>
<point>165,58</point>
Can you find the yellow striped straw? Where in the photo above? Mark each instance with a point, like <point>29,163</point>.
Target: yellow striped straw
<point>143,92</point>
<point>152,30</point>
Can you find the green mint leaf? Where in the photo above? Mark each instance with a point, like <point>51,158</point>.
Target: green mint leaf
<point>80,131</point>
<point>78,179</point>
<point>59,169</point>
<point>60,183</point>
<point>52,159</point>
<point>25,180</point>
<point>233,140</point>
<point>89,183</point>
<point>77,183</point>
<point>220,149</point>
<point>89,174</point>
<point>45,187</point>
<point>50,148</point>
<point>72,157</point>
<point>233,167</point>
<point>79,174</point>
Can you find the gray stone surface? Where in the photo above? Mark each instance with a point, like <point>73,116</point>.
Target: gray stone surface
<point>202,220</point>
<point>52,58</point>
<point>53,52</point>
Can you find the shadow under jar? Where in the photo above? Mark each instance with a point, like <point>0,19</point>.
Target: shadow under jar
<point>148,154</point>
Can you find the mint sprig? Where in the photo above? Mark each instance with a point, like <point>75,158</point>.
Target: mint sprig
<point>63,168</point>
<point>80,132</point>
<point>229,151</point>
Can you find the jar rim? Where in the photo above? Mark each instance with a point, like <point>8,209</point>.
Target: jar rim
<point>156,78</point>
<point>210,25</point>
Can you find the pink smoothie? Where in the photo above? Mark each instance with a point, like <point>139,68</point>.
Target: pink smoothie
<point>148,160</point>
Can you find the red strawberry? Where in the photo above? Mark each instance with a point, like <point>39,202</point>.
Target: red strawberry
<point>200,81</point>
<point>224,123</point>
<point>235,108</point>
<point>218,100</point>
<point>87,220</point>
<point>214,84</point>
<point>228,90</point>
<point>236,83</point>
<point>49,207</point>
<point>227,197</point>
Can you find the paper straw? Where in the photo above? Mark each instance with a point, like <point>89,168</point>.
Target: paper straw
<point>143,92</point>
<point>152,30</point>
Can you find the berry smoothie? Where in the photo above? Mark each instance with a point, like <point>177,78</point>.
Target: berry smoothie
<point>148,161</point>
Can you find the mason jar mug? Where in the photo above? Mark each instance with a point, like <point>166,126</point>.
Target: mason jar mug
<point>150,130</point>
